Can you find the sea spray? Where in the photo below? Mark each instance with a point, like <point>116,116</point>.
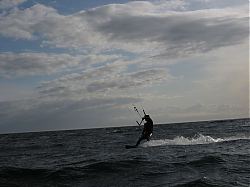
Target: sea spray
<point>197,139</point>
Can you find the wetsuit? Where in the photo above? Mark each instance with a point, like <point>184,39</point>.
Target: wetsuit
<point>147,130</point>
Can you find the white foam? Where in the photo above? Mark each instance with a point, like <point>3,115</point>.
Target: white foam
<point>198,139</point>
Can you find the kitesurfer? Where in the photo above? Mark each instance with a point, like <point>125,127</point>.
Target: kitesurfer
<point>147,130</point>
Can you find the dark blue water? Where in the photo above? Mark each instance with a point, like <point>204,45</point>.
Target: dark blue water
<point>215,153</point>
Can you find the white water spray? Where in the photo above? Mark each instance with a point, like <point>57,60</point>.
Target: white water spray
<point>199,139</point>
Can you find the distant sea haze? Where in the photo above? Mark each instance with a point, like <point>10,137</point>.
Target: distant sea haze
<point>212,153</point>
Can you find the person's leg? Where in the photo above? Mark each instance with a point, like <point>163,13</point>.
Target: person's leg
<point>140,139</point>
<point>148,136</point>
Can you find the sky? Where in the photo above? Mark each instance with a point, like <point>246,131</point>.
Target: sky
<point>85,64</point>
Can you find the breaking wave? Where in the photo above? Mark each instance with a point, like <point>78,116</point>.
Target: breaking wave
<point>198,139</point>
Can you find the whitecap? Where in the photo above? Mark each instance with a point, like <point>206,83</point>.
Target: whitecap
<point>198,139</point>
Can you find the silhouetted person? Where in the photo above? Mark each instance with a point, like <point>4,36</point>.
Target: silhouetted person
<point>147,130</point>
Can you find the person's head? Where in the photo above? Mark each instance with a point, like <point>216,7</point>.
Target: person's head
<point>146,117</point>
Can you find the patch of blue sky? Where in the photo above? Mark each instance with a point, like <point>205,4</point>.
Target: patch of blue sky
<point>67,7</point>
<point>21,45</point>
<point>100,64</point>
<point>28,81</point>
<point>127,54</point>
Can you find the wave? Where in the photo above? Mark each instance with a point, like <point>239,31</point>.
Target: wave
<point>202,182</point>
<point>209,160</point>
<point>198,139</point>
<point>14,176</point>
<point>116,165</point>
<point>97,166</point>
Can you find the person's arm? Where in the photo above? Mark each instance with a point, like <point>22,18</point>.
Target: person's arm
<point>140,122</point>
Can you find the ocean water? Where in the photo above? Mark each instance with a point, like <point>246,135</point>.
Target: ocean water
<point>215,153</point>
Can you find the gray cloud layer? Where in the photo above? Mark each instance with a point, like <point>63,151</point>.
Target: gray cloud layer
<point>135,27</point>
<point>103,79</point>
<point>23,64</point>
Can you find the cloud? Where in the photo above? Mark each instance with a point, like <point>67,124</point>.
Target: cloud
<point>5,4</point>
<point>171,33</point>
<point>19,24</point>
<point>137,79</point>
<point>96,82</point>
<point>75,83</point>
<point>212,4</point>
<point>138,27</point>
<point>26,64</point>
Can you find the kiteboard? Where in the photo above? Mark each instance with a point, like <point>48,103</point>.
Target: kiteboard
<point>130,146</point>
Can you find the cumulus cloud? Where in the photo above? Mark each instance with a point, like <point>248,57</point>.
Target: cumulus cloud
<point>175,35</point>
<point>136,27</point>
<point>24,64</point>
<point>20,24</point>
